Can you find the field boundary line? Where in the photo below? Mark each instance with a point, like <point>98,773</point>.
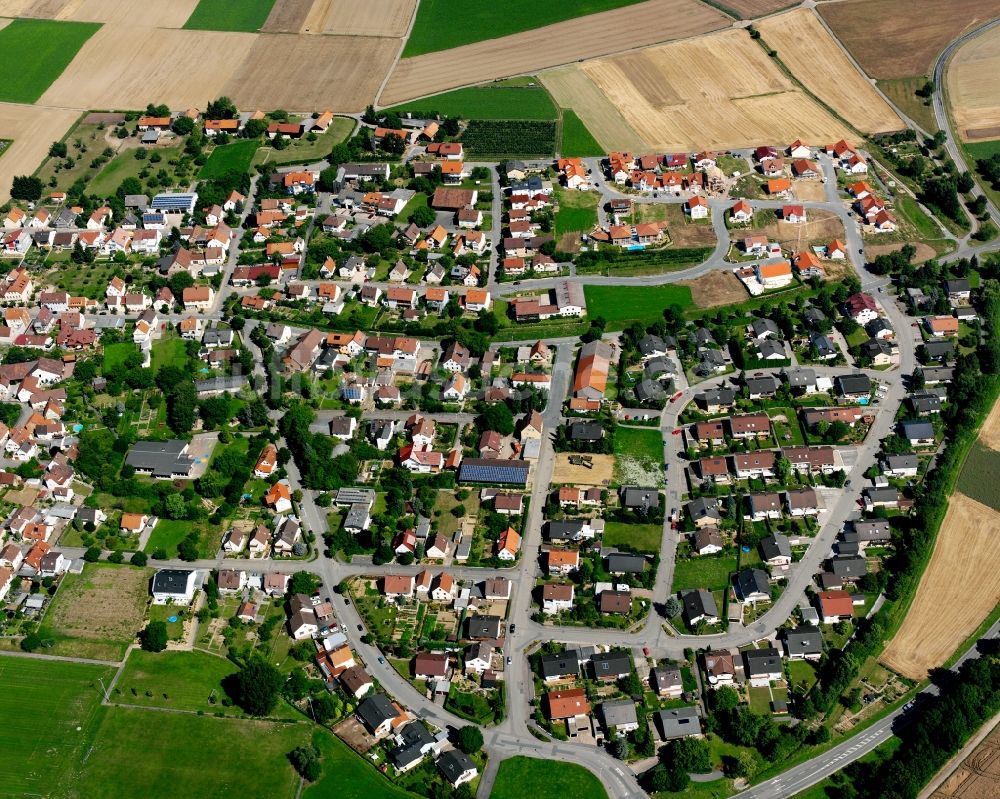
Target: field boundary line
<point>63,658</point>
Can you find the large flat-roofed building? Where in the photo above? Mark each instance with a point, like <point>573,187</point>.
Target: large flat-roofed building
<point>175,203</point>
<point>488,470</point>
<point>164,460</point>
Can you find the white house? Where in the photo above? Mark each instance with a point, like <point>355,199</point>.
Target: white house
<point>174,586</point>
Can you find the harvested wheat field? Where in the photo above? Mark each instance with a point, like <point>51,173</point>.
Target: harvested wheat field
<point>566,473</point>
<point>977,776</point>
<point>989,433</point>
<point>738,99</point>
<point>4,22</point>
<point>15,8</point>
<point>122,66</point>
<point>342,72</point>
<point>900,38</point>
<point>749,9</point>
<point>287,16</point>
<point>32,129</point>
<point>805,46</point>
<point>155,15</point>
<point>372,18</point>
<point>967,545</point>
<point>526,53</point>
<point>571,88</point>
<point>973,79</point>
<point>719,287</point>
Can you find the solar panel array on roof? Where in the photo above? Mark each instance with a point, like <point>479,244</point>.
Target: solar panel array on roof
<point>482,470</point>
<point>170,201</point>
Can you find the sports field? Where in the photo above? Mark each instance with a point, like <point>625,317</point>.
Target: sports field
<point>519,776</point>
<point>740,98</point>
<point>34,52</point>
<point>622,305</point>
<point>901,38</point>
<point>229,15</point>
<point>635,25</point>
<point>486,102</point>
<point>175,679</point>
<point>973,84</point>
<point>474,20</point>
<point>96,614</point>
<point>235,157</point>
<point>165,755</point>
<point>577,141</point>
<point>808,50</point>
<point>967,545</point>
<point>50,711</point>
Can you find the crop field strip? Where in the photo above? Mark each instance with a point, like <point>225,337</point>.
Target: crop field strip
<point>564,42</point>
<point>819,63</point>
<point>973,79</point>
<point>901,38</point>
<point>740,99</point>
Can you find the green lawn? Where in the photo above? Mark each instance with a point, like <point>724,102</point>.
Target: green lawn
<point>167,534</point>
<point>116,354</point>
<point>475,20</point>
<point>50,708</point>
<point>176,679</point>
<point>576,140</point>
<point>126,165</point>
<point>34,52</point>
<point>577,211</point>
<point>643,443</point>
<point>229,15</point>
<point>801,671</point>
<point>165,755</point>
<point>347,775</point>
<point>492,101</point>
<point>760,701</point>
<point>234,157</point>
<point>622,305</point>
<point>642,537</point>
<point>704,571</point>
<point>169,351</point>
<point>518,777</point>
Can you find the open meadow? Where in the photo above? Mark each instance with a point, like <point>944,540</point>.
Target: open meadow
<point>96,614</point>
<point>740,99</point>
<point>173,679</point>
<point>597,34</point>
<point>945,611</point>
<point>815,59</point>
<point>623,305</point>
<point>900,38</point>
<point>521,776</point>
<point>32,130</point>
<point>51,712</point>
<point>34,52</point>
<point>973,79</point>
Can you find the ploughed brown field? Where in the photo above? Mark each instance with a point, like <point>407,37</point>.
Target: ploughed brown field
<point>525,53</point>
<point>958,590</point>
<point>900,38</point>
<point>815,59</point>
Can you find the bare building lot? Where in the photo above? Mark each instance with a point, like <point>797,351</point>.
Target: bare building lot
<point>600,473</point>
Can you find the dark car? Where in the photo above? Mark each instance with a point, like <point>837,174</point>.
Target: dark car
<point>360,628</point>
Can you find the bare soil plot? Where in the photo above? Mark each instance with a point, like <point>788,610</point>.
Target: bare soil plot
<point>371,18</point>
<point>525,53</point>
<point>572,88</point>
<point>33,129</point>
<point>976,777</point>
<point>748,9</point>
<point>819,226</point>
<point>572,474</point>
<point>900,38</point>
<point>720,287</point>
<point>968,545</point>
<point>805,46</point>
<point>97,613</point>
<point>924,253</point>
<point>738,99</point>
<point>973,79</point>
<point>155,15</point>
<point>121,63</point>
<point>989,433</point>
<point>809,190</point>
<point>342,72</point>
<point>287,16</point>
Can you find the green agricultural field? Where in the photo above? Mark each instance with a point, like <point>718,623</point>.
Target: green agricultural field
<point>980,476</point>
<point>704,571</point>
<point>175,679</point>
<point>983,149</point>
<point>623,305</point>
<point>577,141</point>
<point>528,776</point>
<point>497,139</point>
<point>235,157</point>
<point>641,537</point>
<point>492,101</point>
<point>229,15</point>
<point>165,755</point>
<point>577,211</point>
<point>51,710</point>
<point>34,52</point>
<point>475,20</point>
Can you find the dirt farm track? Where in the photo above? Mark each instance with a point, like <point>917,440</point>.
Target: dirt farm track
<point>967,545</point>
